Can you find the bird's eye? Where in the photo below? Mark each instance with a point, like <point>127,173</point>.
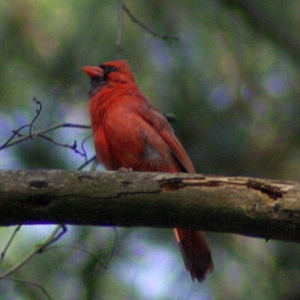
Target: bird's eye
<point>111,69</point>
<point>107,69</point>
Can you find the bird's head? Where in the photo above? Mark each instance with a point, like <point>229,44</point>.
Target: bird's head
<point>117,71</point>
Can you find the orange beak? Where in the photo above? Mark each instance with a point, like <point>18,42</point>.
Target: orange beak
<point>93,71</point>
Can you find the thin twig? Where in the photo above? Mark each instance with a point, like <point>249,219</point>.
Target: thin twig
<point>15,133</point>
<point>55,237</point>
<point>120,30</point>
<point>151,31</point>
<point>22,138</point>
<point>32,253</point>
<point>86,163</point>
<point>31,283</point>
<point>83,148</point>
<point>113,251</point>
<point>9,243</point>
<point>99,261</point>
<point>72,147</point>
<point>38,112</point>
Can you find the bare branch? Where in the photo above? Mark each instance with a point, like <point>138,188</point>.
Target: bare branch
<point>42,134</point>
<point>255,207</point>
<point>38,112</point>
<point>86,163</point>
<point>148,29</point>
<point>58,232</point>
<point>9,243</point>
<point>32,253</point>
<point>91,254</point>
<point>31,283</point>
<point>120,30</point>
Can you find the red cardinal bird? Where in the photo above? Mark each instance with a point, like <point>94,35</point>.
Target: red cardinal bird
<point>130,133</point>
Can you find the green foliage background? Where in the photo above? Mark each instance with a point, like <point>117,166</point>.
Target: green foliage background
<point>232,80</point>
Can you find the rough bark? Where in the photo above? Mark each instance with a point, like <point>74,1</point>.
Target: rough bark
<point>255,207</point>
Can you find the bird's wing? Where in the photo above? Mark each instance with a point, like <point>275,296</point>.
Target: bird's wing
<point>162,126</point>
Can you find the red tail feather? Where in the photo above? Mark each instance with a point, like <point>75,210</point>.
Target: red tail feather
<point>195,252</point>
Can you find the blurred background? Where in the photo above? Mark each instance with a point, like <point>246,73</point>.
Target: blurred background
<point>231,79</point>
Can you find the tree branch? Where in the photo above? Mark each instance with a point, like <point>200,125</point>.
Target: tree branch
<point>255,207</point>
<point>146,28</point>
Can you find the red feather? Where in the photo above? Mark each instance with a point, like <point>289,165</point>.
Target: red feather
<point>130,133</point>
